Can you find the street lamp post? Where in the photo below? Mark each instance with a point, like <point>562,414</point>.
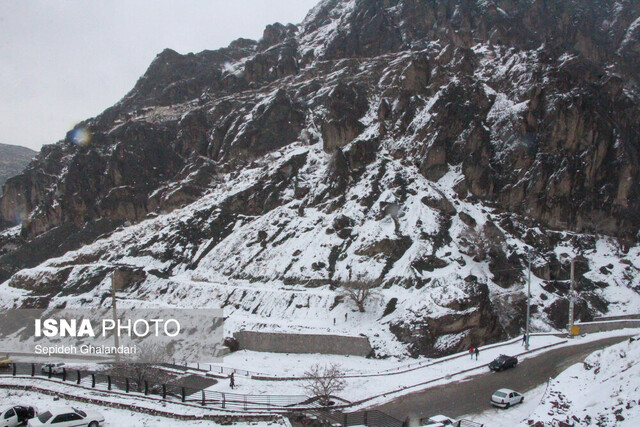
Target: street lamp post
<point>526,334</point>
<point>571,297</point>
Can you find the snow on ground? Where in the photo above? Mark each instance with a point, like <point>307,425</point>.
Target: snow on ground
<point>512,349</point>
<point>370,384</point>
<point>114,417</point>
<point>614,370</point>
<point>152,403</point>
<point>292,365</point>
<point>498,417</point>
<point>603,391</point>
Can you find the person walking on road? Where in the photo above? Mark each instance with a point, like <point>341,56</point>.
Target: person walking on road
<point>471,352</point>
<point>524,339</point>
<point>232,381</point>
<point>477,352</point>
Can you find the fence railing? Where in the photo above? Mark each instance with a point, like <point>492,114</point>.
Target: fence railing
<point>215,369</point>
<point>371,418</point>
<point>167,391</point>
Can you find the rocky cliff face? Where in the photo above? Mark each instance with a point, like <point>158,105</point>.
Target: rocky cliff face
<point>13,159</point>
<point>422,147</point>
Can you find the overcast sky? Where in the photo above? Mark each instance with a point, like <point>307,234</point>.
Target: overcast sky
<point>62,61</point>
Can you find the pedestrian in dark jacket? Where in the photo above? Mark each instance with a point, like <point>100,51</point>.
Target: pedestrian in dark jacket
<point>524,339</point>
<point>232,381</point>
<point>477,352</point>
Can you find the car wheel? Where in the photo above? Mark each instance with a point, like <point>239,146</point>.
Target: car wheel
<point>508,405</point>
<point>93,424</point>
<point>522,399</point>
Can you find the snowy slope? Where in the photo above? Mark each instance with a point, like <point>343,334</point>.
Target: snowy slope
<point>269,292</point>
<point>602,391</point>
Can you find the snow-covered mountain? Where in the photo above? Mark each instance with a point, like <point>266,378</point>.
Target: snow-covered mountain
<point>422,148</point>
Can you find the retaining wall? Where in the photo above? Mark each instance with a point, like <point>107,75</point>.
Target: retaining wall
<point>623,317</point>
<point>610,325</point>
<point>275,342</point>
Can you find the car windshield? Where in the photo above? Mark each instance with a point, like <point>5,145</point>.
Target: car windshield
<point>79,412</point>
<point>44,417</point>
<point>500,394</point>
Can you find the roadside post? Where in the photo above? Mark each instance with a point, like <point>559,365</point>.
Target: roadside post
<point>526,334</point>
<point>570,326</point>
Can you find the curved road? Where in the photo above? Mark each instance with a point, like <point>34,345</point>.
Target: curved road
<point>471,396</point>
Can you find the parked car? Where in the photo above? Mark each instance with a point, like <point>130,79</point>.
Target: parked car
<point>438,421</point>
<point>67,417</point>
<point>11,416</point>
<point>56,368</point>
<point>505,398</point>
<point>503,362</point>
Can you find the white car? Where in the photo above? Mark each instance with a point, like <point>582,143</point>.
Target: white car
<point>56,368</point>
<point>505,398</point>
<point>439,421</point>
<point>11,416</point>
<point>67,417</point>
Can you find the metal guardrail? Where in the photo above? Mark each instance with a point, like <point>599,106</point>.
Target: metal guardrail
<point>216,369</point>
<point>620,317</point>
<point>373,418</point>
<point>166,391</point>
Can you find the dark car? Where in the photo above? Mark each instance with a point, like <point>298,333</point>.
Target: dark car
<point>503,362</point>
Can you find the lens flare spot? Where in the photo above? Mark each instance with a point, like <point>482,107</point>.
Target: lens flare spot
<point>81,136</point>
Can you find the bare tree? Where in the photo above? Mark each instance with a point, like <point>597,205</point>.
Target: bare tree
<point>358,291</point>
<point>324,381</point>
<point>142,366</point>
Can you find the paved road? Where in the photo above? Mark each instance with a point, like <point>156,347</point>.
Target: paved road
<point>472,395</point>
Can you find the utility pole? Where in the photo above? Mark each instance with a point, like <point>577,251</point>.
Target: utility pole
<point>115,316</point>
<point>526,342</point>
<point>571,288</point>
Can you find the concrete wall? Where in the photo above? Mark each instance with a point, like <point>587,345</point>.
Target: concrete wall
<point>593,327</point>
<point>624,317</point>
<point>276,342</point>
